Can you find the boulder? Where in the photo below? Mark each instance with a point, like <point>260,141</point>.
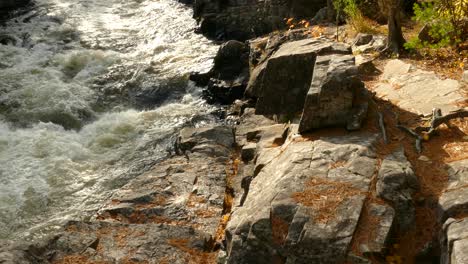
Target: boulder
<point>332,94</point>
<point>242,20</point>
<point>396,183</point>
<point>454,241</point>
<point>362,39</point>
<point>281,82</point>
<point>228,78</point>
<point>218,138</point>
<point>454,200</point>
<point>304,204</point>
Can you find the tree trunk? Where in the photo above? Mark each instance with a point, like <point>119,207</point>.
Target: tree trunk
<point>395,40</point>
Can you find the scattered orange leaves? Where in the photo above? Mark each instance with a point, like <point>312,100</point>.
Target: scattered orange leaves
<point>325,196</point>
<point>78,259</point>
<point>279,228</point>
<point>337,164</point>
<point>194,256</point>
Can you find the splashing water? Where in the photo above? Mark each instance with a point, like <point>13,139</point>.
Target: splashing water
<point>90,94</point>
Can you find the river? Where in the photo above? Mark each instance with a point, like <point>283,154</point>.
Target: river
<point>91,94</point>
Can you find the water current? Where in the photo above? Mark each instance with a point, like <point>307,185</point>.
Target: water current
<point>91,94</point>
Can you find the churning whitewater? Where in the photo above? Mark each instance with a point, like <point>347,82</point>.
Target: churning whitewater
<point>91,93</point>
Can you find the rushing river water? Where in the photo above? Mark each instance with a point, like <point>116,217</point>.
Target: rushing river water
<point>91,93</point>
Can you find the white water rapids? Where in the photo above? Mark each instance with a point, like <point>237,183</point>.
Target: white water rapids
<point>74,78</point>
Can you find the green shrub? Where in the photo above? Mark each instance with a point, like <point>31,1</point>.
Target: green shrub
<point>443,22</point>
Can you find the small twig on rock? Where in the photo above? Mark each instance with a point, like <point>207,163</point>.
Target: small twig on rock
<point>382,127</point>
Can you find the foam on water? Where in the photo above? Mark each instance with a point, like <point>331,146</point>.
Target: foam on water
<point>61,153</point>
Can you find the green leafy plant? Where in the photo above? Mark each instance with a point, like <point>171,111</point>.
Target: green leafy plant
<point>443,20</point>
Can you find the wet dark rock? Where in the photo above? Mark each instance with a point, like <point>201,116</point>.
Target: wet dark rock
<point>224,92</point>
<point>228,78</point>
<point>321,16</point>
<point>241,20</point>
<point>396,183</point>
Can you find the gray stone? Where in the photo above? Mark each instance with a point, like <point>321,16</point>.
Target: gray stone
<point>376,44</point>
<point>365,65</point>
<point>362,39</point>
<point>281,82</point>
<point>396,183</point>
<point>334,88</point>
<point>272,224</point>
<point>454,200</point>
<point>381,232</point>
<point>454,241</point>
<point>417,91</point>
<point>220,139</point>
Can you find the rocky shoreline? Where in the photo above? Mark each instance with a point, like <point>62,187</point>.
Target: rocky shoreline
<point>304,175</point>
